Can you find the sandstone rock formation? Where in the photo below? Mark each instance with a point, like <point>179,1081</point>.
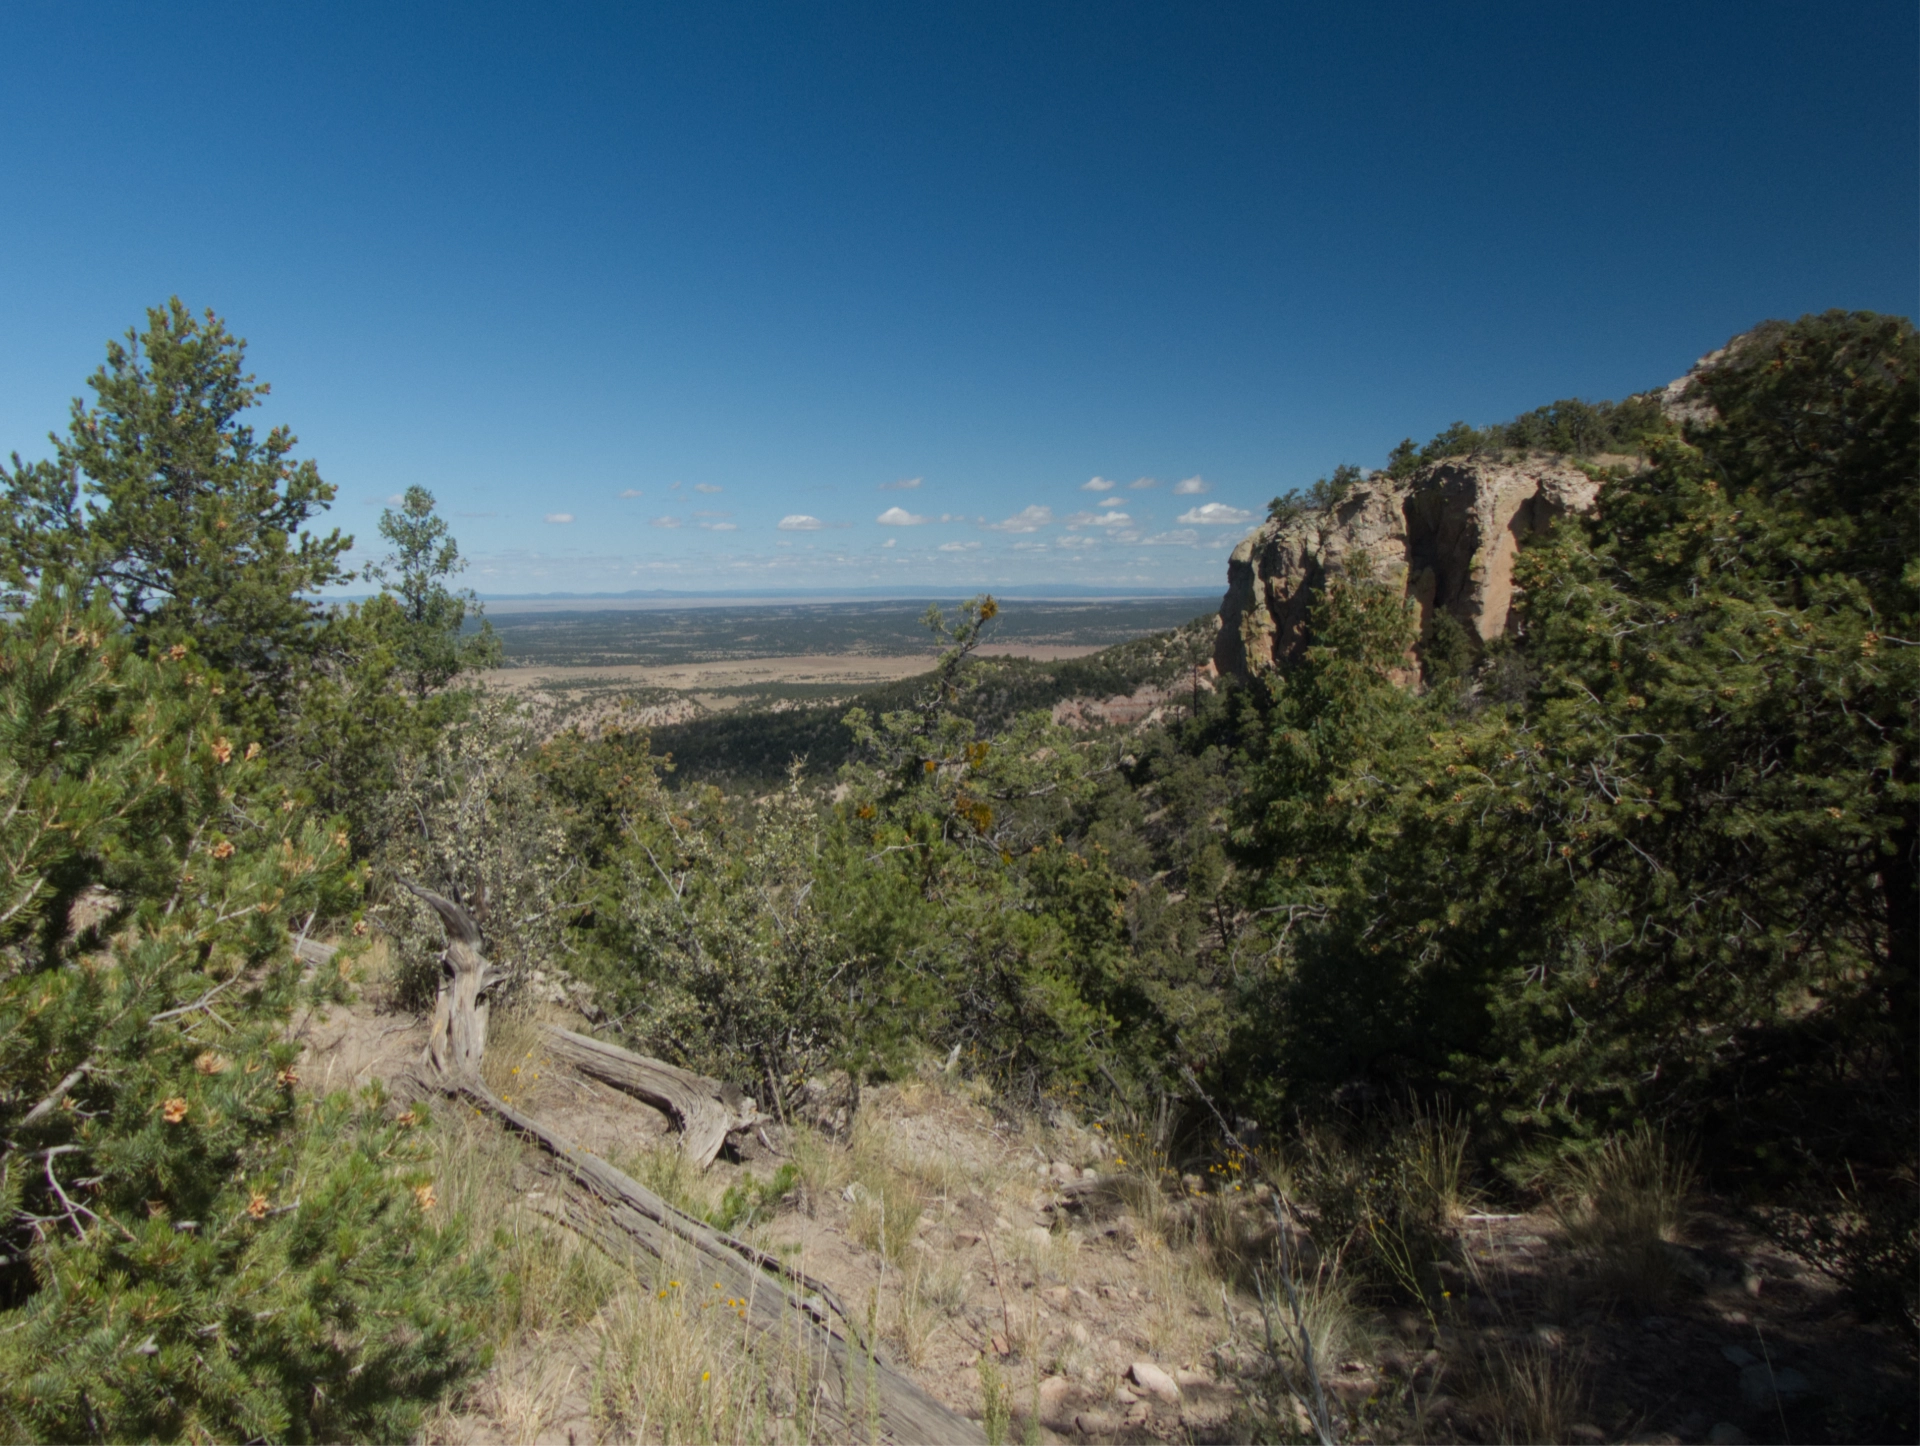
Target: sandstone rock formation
<point>1447,534</point>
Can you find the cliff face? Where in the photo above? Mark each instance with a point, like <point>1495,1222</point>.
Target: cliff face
<point>1447,535</point>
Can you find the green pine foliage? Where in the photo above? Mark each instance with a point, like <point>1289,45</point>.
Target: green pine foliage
<point>196,526</point>
<point>1674,872</point>
<point>187,1250</point>
<point>1570,428</point>
<point>424,617</point>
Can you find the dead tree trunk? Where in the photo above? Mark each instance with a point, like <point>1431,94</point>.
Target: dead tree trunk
<point>706,1110</point>
<point>458,1037</point>
<point>855,1391</point>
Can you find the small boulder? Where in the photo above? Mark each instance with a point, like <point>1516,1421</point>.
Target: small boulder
<point>1154,1381</point>
<point>1056,1403</point>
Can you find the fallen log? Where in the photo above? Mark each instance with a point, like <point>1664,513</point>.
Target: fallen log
<point>706,1110</point>
<point>855,1391</point>
<point>847,1388</point>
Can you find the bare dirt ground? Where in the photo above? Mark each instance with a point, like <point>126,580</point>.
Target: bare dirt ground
<point>1100,1295</point>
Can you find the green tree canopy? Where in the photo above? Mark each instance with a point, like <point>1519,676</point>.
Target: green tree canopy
<point>187,1249</point>
<point>196,527</point>
<point>427,617</point>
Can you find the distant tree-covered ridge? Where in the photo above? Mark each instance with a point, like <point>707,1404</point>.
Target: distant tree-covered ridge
<point>755,748</point>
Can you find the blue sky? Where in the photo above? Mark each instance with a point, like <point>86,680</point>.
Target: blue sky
<point>923,276</point>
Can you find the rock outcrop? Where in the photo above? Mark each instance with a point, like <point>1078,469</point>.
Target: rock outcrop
<point>1446,534</point>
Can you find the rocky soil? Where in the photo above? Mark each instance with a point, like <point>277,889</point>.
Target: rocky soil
<point>1107,1298</point>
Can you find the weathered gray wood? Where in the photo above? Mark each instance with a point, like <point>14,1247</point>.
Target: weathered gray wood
<point>863,1395</point>
<point>851,1391</point>
<point>706,1109</point>
<point>312,951</point>
<point>458,1036</point>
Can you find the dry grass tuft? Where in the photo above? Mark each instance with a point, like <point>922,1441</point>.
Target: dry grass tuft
<point>1530,1393</point>
<point>1430,1152</point>
<point>1625,1203</point>
<point>932,1292</point>
<point>675,1365</point>
<point>886,1201</point>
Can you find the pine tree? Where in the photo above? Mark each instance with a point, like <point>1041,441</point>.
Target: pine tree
<point>417,610</point>
<point>186,1250</point>
<point>195,526</point>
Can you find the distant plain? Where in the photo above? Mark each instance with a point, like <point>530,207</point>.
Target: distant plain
<point>817,643</point>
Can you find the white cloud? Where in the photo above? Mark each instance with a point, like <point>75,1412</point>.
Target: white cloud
<point>1077,541</point>
<point>1141,484</point>
<point>899,517</point>
<point>633,492</point>
<point>890,542</point>
<point>394,499</point>
<point>958,546</point>
<point>799,522</point>
<point>1027,519</point>
<point>1098,519</point>
<point>665,522</point>
<point>1185,537</point>
<point>1098,484</point>
<point>1190,487</point>
<point>721,526</point>
<point>1112,502</point>
<point>559,517</point>
<point>1214,514</point>
<point>905,484</point>
<point>1029,547</point>
<point>706,487</point>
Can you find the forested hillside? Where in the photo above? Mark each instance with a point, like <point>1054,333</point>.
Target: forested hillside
<point>755,749</point>
<point>1638,876</point>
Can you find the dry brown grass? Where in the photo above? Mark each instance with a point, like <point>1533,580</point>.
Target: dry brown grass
<point>628,1352</point>
<point>1527,1393</point>
<point>677,1364</point>
<point>1625,1204</point>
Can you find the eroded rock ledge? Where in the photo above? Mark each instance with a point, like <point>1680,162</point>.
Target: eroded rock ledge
<point>1446,534</point>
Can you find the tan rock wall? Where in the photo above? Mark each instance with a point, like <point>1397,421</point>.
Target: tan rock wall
<point>1446,535</point>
